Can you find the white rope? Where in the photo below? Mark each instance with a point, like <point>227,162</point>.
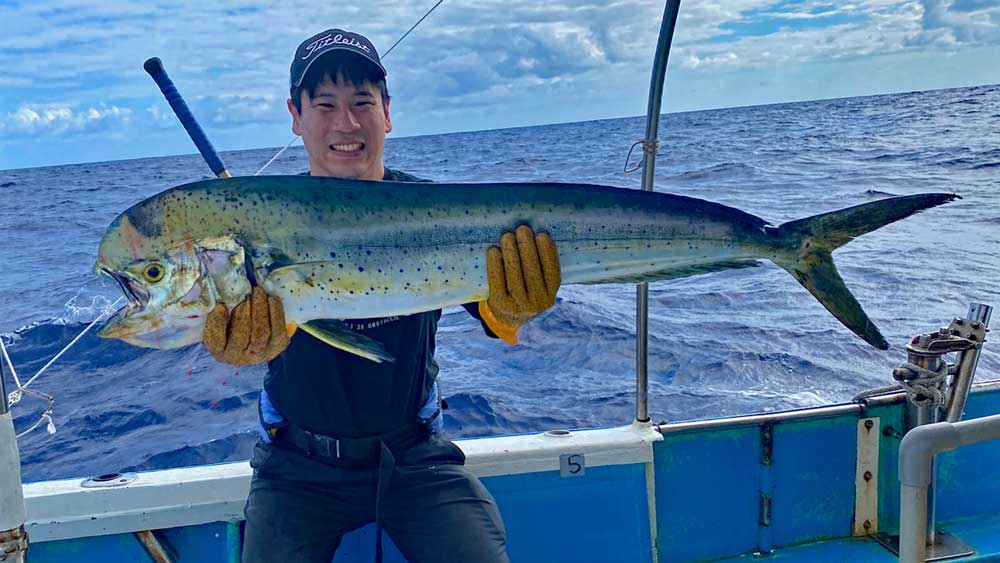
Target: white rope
<point>46,417</point>
<point>923,385</point>
<point>275,157</point>
<point>72,342</point>
<point>389,50</point>
<point>3,349</point>
<point>16,395</point>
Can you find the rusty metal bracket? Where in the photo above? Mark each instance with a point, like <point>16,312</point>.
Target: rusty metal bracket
<point>157,546</point>
<point>866,478</point>
<point>13,545</point>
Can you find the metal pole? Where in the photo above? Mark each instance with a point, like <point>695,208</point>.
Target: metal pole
<point>648,171</point>
<point>3,392</point>
<point>13,538</point>
<point>965,365</point>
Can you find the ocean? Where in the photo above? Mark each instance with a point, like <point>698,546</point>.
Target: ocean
<point>721,344</point>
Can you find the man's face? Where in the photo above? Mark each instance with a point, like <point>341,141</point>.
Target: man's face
<point>343,127</point>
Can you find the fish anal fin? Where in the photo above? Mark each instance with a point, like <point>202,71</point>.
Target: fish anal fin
<point>676,273</point>
<point>339,336</point>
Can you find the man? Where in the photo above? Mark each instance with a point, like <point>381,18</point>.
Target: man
<point>346,441</point>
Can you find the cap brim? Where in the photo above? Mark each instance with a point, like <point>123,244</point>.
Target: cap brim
<point>332,49</point>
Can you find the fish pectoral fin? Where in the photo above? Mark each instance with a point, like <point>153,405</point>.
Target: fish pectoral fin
<point>336,334</point>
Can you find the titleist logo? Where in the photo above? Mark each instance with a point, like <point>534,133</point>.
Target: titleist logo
<point>339,39</point>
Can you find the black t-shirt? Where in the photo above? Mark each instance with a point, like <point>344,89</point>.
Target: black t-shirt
<point>329,391</point>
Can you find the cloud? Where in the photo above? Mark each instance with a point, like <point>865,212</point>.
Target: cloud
<point>958,22</point>
<point>60,118</point>
<point>504,61</point>
<point>862,29</point>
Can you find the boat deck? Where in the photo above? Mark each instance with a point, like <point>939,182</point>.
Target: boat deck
<point>786,484</point>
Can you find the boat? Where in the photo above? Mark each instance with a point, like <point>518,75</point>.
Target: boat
<point>900,473</point>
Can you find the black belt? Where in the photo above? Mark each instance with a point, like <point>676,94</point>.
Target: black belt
<point>355,452</point>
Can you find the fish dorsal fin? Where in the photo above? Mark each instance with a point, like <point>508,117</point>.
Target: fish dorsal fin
<point>339,336</point>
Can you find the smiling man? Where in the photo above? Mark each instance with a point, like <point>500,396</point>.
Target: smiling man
<point>346,441</point>
<point>342,118</point>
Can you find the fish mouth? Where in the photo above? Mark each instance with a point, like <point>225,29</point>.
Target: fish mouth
<point>137,295</point>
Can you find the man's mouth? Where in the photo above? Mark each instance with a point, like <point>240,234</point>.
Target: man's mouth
<point>349,148</point>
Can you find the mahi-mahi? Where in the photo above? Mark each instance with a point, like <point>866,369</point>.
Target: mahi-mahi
<point>348,249</point>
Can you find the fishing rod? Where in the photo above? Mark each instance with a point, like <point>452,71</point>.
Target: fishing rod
<point>155,69</point>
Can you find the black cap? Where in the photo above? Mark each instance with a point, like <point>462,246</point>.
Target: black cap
<point>330,40</point>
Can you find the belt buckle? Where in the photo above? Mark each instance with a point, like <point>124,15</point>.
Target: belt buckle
<point>324,449</point>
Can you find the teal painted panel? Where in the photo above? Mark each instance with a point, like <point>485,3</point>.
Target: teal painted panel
<point>848,550</point>
<point>982,534</point>
<point>813,466</point>
<point>201,544</point>
<point>962,490</point>
<point>118,548</point>
<point>359,545</point>
<point>967,483</point>
<point>891,421</point>
<point>601,516</point>
<point>206,543</point>
<point>707,494</point>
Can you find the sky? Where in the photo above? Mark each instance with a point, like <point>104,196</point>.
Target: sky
<point>72,88</point>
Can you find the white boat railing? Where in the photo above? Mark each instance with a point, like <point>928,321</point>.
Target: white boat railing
<point>916,473</point>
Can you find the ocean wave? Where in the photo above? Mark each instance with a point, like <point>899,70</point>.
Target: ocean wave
<point>236,447</point>
<point>876,194</point>
<point>986,165</point>
<point>725,169</point>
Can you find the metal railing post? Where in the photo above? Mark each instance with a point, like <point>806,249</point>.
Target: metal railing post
<point>965,366</point>
<point>13,538</point>
<point>649,146</point>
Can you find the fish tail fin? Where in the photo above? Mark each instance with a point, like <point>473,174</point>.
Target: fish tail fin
<point>809,243</point>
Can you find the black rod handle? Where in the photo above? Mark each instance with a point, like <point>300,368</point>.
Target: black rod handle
<point>155,69</point>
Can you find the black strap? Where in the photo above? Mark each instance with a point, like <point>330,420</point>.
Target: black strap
<point>387,462</point>
<point>358,452</point>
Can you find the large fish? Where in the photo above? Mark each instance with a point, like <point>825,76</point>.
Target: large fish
<point>338,249</point>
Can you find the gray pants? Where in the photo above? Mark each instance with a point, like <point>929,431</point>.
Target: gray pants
<point>435,510</point>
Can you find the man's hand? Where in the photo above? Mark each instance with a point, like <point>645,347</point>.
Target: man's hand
<point>254,333</point>
<point>524,276</point>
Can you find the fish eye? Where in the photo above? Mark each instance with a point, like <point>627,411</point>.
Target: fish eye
<point>153,272</point>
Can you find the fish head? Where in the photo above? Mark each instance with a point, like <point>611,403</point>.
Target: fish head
<point>171,285</point>
<point>168,300</point>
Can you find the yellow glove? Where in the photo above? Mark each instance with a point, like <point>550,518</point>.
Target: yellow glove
<point>254,333</point>
<point>523,276</point>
